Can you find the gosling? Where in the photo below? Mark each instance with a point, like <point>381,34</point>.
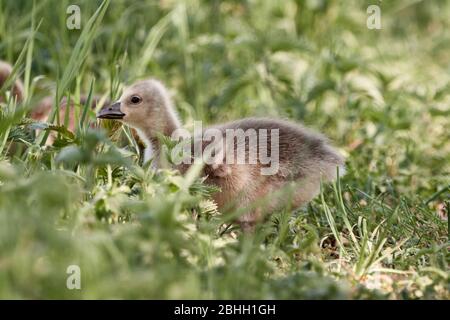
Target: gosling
<point>304,158</point>
<point>17,89</point>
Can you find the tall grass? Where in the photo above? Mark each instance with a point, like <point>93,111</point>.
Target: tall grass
<point>382,96</point>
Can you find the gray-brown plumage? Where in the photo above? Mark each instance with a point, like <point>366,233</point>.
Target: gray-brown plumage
<point>41,111</point>
<point>305,157</point>
<point>17,88</point>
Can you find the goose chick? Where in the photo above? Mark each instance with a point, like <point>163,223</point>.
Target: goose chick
<point>5,73</point>
<point>304,158</point>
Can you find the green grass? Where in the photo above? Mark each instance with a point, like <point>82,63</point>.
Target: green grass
<point>382,96</point>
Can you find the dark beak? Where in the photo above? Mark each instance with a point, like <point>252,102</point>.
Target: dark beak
<point>111,112</point>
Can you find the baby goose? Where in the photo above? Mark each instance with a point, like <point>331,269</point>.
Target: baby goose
<point>304,157</point>
<point>5,72</point>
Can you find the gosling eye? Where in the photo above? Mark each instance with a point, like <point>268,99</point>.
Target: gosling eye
<point>135,99</point>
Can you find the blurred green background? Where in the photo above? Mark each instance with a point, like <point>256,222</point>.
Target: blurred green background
<point>382,96</point>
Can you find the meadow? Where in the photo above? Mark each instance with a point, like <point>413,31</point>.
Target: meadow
<point>381,95</point>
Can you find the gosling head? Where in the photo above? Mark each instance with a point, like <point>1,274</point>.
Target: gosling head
<point>145,106</point>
